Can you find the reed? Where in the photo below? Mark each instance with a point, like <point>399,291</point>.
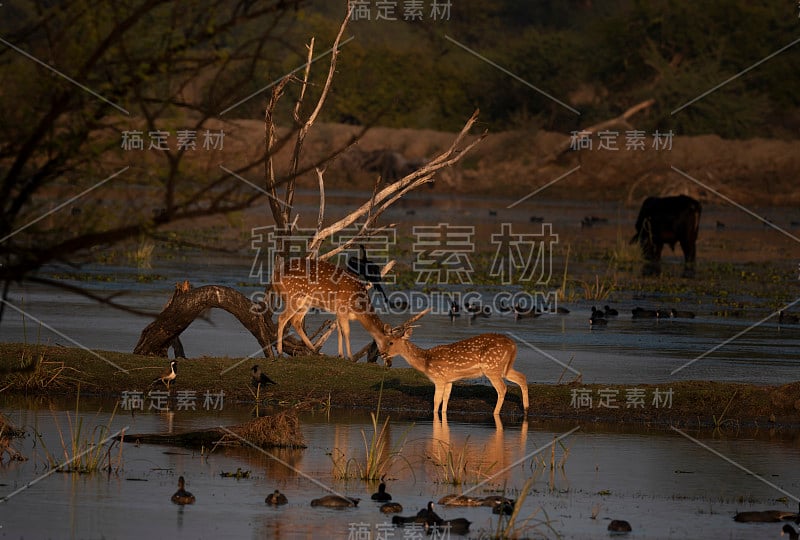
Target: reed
<point>540,464</point>
<point>508,527</point>
<point>599,290</point>
<point>83,448</point>
<point>379,453</point>
<point>451,464</point>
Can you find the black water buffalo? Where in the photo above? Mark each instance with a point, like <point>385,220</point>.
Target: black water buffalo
<point>667,220</point>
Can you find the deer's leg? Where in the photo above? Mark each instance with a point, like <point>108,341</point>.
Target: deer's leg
<point>297,324</point>
<point>499,385</point>
<point>344,334</point>
<point>283,318</point>
<point>520,379</point>
<point>437,400</point>
<point>446,397</point>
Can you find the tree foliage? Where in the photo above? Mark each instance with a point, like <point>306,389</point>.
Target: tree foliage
<point>600,57</point>
<point>77,75</point>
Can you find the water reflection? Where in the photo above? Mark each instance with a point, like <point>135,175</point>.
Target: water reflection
<point>475,455</point>
<point>664,484</point>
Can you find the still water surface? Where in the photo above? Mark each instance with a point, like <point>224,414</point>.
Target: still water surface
<point>664,484</point>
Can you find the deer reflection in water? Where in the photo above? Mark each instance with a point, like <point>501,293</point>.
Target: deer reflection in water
<point>470,459</point>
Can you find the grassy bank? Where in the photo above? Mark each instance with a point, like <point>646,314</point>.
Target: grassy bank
<point>325,381</point>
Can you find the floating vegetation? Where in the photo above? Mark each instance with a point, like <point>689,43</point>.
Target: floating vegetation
<point>8,432</point>
<point>238,474</point>
<point>280,430</point>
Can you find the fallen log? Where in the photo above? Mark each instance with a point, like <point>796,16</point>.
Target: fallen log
<point>281,430</point>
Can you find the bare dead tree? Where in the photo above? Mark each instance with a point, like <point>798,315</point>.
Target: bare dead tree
<point>257,316</point>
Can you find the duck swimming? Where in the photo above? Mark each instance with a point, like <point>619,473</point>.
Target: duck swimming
<point>460,500</point>
<point>793,534</point>
<point>276,498</point>
<point>182,496</point>
<point>620,526</point>
<point>391,508</point>
<point>381,494</point>
<point>335,501</point>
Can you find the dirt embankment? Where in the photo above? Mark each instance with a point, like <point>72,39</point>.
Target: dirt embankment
<point>621,166</point>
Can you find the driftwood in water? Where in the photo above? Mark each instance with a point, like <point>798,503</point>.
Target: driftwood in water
<point>277,431</point>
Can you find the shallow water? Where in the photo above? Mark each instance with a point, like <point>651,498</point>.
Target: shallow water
<point>625,351</point>
<point>664,484</point>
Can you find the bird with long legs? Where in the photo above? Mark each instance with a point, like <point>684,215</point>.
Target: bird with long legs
<point>167,376</point>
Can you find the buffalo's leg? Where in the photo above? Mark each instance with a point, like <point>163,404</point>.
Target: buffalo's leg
<point>689,248</point>
<point>652,258</point>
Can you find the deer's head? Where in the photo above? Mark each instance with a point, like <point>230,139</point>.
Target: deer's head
<point>398,336</point>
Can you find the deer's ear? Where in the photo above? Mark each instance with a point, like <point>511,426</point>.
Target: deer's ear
<point>387,329</point>
<point>407,333</point>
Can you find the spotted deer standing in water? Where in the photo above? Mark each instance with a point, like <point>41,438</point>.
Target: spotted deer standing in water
<point>489,355</point>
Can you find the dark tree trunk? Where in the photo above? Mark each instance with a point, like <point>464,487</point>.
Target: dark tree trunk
<point>187,304</point>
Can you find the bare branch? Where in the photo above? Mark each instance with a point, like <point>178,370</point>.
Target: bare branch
<point>621,120</point>
<point>301,135</point>
<point>321,214</point>
<point>391,193</point>
<point>279,213</point>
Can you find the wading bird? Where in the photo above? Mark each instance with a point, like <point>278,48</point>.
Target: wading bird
<point>168,375</point>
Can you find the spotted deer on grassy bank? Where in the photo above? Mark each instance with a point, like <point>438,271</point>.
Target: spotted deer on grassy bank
<point>489,355</point>
<point>303,283</point>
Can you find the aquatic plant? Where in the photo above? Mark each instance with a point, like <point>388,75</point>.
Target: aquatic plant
<point>599,290</point>
<point>451,465</point>
<point>281,430</point>
<point>379,455</point>
<point>35,373</point>
<point>7,433</point>
<point>507,527</point>
<point>143,255</point>
<point>540,463</point>
<point>623,255</point>
<point>720,422</point>
<point>83,451</point>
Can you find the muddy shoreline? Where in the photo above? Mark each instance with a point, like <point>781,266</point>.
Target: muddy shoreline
<point>323,382</point>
